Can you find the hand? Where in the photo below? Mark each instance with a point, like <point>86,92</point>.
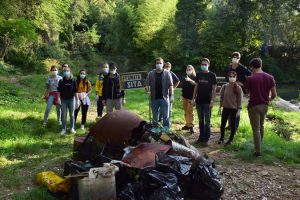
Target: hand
<point>220,111</point>
<point>104,103</point>
<point>148,93</point>
<point>188,79</point>
<point>238,113</point>
<point>193,102</point>
<point>97,97</point>
<point>77,103</point>
<point>59,101</point>
<point>180,98</point>
<point>172,99</point>
<point>123,102</point>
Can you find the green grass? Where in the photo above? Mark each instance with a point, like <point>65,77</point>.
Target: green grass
<point>27,148</point>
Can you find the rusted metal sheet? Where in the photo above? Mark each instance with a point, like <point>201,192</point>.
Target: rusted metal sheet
<point>143,155</point>
<point>116,128</point>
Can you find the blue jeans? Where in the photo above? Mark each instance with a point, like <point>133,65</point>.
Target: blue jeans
<point>203,111</point>
<point>67,104</point>
<point>48,109</point>
<point>163,105</point>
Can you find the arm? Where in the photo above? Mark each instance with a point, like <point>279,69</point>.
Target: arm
<point>239,99</point>
<point>222,95</point>
<point>171,91</point>
<point>213,96</point>
<point>97,86</point>
<point>176,84</point>
<point>195,93</point>
<point>273,93</point>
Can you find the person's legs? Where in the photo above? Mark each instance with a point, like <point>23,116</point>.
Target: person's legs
<point>99,106</point>
<point>170,112</point>
<point>185,109</point>
<point>76,112</point>
<point>207,111</point>
<point>154,107</point>
<point>84,111</point>
<point>58,112</point>
<point>224,118</point>
<point>263,109</point>
<point>200,112</point>
<point>48,108</point>
<point>160,115</point>
<point>164,107</point>
<point>232,116</point>
<point>109,105</point>
<point>64,114</point>
<point>71,106</point>
<point>254,117</point>
<point>237,122</point>
<point>118,103</point>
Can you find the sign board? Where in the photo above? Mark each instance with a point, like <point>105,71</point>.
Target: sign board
<point>133,80</point>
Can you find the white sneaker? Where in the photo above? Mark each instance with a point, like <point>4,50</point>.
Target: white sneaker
<point>44,124</point>
<point>63,132</point>
<point>72,131</point>
<point>60,123</point>
<point>82,126</point>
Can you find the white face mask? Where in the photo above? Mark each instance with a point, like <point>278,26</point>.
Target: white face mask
<point>113,71</point>
<point>235,60</point>
<point>105,70</point>
<point>167,69</point>
<point>159,66</point>
<point>54,73</point>
<point>232,79</point>
<point>189,72</point>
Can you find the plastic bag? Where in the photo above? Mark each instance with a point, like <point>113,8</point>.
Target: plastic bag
<point>53,182</point>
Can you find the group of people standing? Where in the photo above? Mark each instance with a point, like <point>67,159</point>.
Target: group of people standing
<point>71,94</point>
<point>199,90</point>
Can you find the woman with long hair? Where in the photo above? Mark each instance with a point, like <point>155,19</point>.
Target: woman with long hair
<point>188,84</point>
<point>84,88</point>
<point>231,96</point>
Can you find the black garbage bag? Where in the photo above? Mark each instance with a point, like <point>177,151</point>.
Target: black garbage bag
<point>178,165</point>
<point>158,185</point>
<point>206,183</point>
<point>132,191</point>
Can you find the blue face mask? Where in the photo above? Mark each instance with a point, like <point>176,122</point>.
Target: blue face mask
<point>67,73</point>
<point>82,76</point>
<point>204,67</point>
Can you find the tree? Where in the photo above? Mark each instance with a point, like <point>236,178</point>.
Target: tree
<point>15,33</point>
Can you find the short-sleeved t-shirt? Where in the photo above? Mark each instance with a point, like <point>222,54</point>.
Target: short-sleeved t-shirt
<point>259,85</point>
<point>52,83</point>
<point>187,88</point>
<point>83,87</point>
<point>205,82</point>
<point>158,86</point>
<point>174,78</point>
<point>241,71</point>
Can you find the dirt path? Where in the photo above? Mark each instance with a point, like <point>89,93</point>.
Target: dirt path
<point>244,180</point>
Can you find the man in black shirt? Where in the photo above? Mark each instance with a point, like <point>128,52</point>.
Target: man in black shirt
<point>204,95</point>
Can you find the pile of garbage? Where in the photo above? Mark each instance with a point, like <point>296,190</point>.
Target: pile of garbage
<point>123,157</point>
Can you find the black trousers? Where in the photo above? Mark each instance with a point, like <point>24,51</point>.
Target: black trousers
<point>99,106</point>
<point>228,113</point>
<point>84,110</point>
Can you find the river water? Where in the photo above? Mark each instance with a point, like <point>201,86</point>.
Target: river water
<point>288,91</point>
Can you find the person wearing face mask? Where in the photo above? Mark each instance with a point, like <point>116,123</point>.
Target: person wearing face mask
<point>231,96</point>
<point>176,81</point>
<point>262,89</point>
<point>188,85</point>
<point>84,88</point>
<point>242,73</point>
<point>113,96</point>
<point>99,89</point>
<point>67,89</point>
<point>159,87</point>
<point>51,94</point>
<point>204,96</point>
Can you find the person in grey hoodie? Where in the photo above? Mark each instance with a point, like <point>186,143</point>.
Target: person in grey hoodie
<point>159,86</point>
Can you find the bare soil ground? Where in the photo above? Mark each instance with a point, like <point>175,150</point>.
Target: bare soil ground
<point>244,180</point>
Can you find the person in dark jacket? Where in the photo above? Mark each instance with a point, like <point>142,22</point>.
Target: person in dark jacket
<point>113,96</point>
<point>242,73</point>
<point>67,91</point>
<point>188,85</point>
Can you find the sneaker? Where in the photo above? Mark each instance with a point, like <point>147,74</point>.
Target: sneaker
<point>228,143</point>
<point>221,141</point>
<point>44,124</point>
<point>82,126</point>
<point>72,131</point>
<point>60,123</point>
<point>204,144</point>
<point>63,132</point>
<point>192,130</point>
<point>185,128</point>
